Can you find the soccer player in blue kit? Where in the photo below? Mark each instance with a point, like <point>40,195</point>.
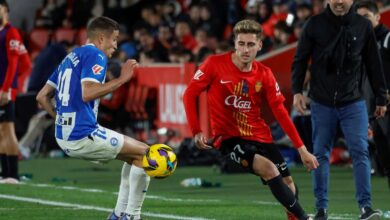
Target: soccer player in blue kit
<point>77,84</point>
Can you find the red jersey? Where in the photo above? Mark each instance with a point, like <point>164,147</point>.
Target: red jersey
<point>11,48</point>
<point>234,100</point>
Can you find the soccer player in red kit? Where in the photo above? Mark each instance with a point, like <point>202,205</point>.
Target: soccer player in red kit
<point>11,51</point>
<point>235,85</point>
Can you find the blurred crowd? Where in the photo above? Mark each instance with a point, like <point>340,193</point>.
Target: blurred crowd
<point>163,31</point>
<point>182,30</point>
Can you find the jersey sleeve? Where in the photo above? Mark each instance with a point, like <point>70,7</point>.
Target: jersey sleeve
<point>200,82</point>
<point>24,69</point>
<point>13,44</point>
<point>276,102</point>
<point>94,68</point>
<point>53,79</point>
<point>272,89</point>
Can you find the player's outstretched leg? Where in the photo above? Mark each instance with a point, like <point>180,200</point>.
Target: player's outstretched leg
<point>268,171</point>
<point>123,194</point>
<point>139,183</point>
<point>133,152</point>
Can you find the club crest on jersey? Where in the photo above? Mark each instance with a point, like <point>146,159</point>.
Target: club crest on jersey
<point>97,69</point>
<point>258,86</point>
<point>114,141</point>
<point>15,45</point>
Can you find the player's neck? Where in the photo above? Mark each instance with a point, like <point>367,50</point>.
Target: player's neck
<point>3,23</point>
<point>243,67</point>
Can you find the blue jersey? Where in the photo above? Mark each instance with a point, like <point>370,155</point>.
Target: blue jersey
<point>75,118</point>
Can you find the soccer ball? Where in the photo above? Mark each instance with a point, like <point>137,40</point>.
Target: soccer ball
<point>159,161</point>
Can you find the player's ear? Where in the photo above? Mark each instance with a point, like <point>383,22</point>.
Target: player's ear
<point>260,45</point>
<point>101,37</point>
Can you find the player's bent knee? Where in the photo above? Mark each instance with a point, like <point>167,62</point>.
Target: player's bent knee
<point>264,168</point>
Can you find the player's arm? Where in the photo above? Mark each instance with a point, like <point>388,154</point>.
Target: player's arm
<point>92,90</point>
<point>189,100</point>
<point>44,99</point>
<point>288,126</point>
<point>275,100</point>
<point>12,48</point>
<point>198,84</point>
<point>24,68</point>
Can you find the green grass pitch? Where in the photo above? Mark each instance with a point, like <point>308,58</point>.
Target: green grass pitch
<point>65,189</point>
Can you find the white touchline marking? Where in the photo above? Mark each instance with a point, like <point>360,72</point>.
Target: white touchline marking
<point>181,200</point>
<point>266,203</point>
<point>102,191</point>
<point>335,217</point>
<point>88,207</point>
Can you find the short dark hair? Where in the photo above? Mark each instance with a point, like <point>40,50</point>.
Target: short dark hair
<point>370,5</point>
<point>101,24</point>
<point>247,27</point>
<point>5,4</point>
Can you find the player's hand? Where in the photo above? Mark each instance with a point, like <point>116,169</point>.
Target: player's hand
<point>308,159</point>
<point>127,70</point>
<point>299,103</point>
<point>201,142</point>
<point>4,98</point>
<point>380,111</point>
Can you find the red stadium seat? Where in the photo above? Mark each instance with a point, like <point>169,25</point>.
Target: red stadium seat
<point>81,37</point>
<point>65,34</point>
<point>39,38</point>
<point>136,100</point>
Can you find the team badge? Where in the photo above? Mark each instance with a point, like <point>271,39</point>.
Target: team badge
<point>258,86</point>
<point>198,74</point>
<point>277,88</point>
<point>114,141</point>
<point>97,69</point>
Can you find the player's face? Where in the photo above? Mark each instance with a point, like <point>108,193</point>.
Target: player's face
<point>247,46</point>
<point>110,43</point>
<point>340,7</point>
<point>374,18</point>
<point>3,14</point>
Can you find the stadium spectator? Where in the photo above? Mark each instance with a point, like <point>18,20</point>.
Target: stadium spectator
<point>297,29</point>
<point>304,12</point>
<point>45,64</point>
<point>210,23</point>
<point>235,84</point>
<point>381,127</point>
<point>282,35</point>
<point>280,12</point>
<point>147,43</point>
<point>11,48</point>
<point>202,40</point>
<point>47,16</point>
<point>179,55</point>
<point>77,84</point>
<point>165,37</point>
<point>264,12</point>
<point>194,17</point>
<point>184,36</point>
<point>223,47</point>
<point>318,6</point>
<point>340,44</point>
